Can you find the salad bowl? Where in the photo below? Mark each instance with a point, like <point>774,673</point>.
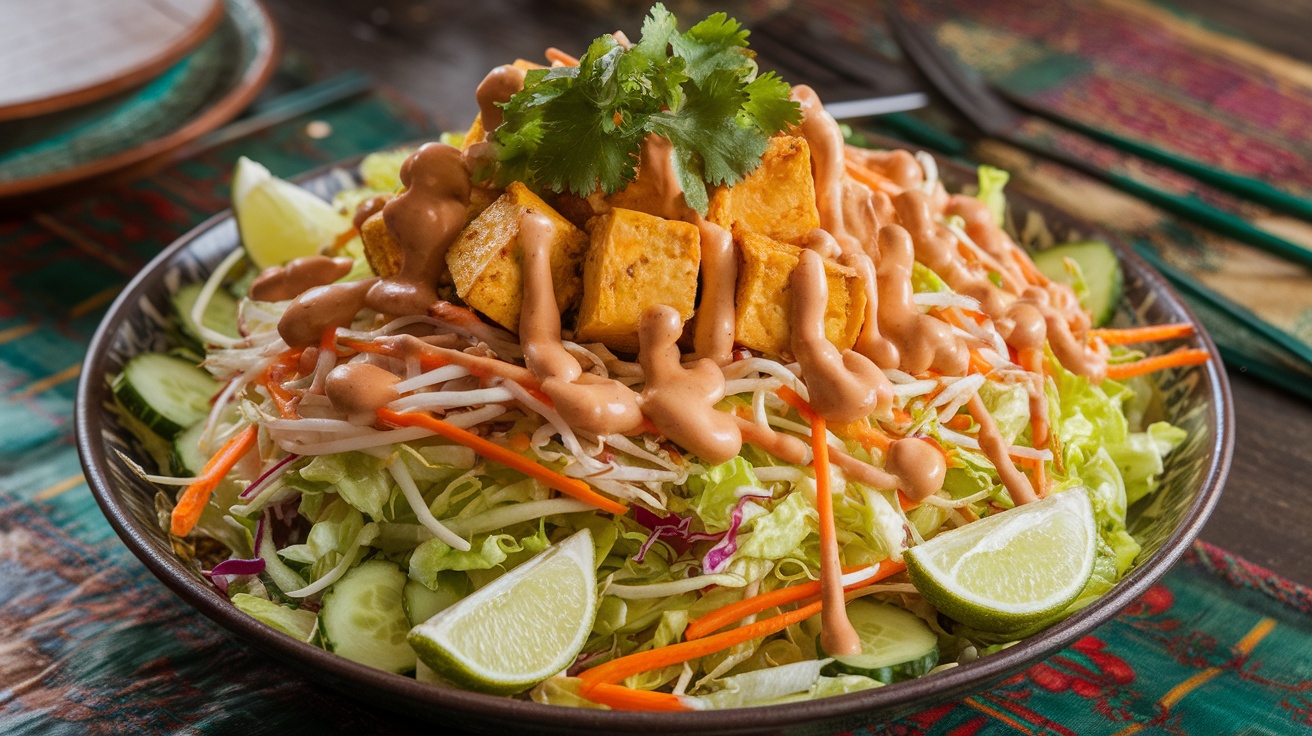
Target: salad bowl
<point>1197,399</point>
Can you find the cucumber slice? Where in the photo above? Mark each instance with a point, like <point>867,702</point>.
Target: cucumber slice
<point>1099,266</point>
<point>167,394</point>
<point>895,644</point>
<point>422,604</point>
<point>188,461</point>
<point>363,619</point>
<point>220,314</point>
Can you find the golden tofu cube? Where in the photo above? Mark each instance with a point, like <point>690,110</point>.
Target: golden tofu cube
<point>776,200</point>
<point>475,134</point>
<point>764,298</point>
<point>380,248</point>
<point>485,259</point>
<point>635,261</point>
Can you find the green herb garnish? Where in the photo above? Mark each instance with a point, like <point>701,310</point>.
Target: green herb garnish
<point>579,128</point>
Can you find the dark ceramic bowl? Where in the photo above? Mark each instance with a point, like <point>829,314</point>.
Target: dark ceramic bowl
<point>1197,399</point>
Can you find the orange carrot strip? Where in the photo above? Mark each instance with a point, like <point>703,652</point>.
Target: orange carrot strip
<point>618,669</point>
<point>978,364</point>
<point>1173,359</point>
<point>192,502</point>
<point>1027,267</point>
<point>831,586</point>
<point>498,454</point>
<point>795,400</point>
<point>619,697</point>
<point>861,431</point>
<point>1153,333</point>
<point>905,503</point>
<point>272,381</point>
<point>520,441</point>
<point>872,179</point>
<point>958,422</point>
<point>738,610</point>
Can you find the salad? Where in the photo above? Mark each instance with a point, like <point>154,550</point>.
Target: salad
<point>651,392</point>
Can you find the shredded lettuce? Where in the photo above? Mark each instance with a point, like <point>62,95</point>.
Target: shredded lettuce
<point>714,495</point>
<point>296,622</point>
<point>991,183</point>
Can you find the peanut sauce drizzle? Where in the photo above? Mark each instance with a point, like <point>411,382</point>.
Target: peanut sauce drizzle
<point>844,385</point>
<point>359,390</point>
<point>825,140</point>
<point>280,283</point>
<point>680,400</point>
<point>496,89</point>
<point>594,404</point>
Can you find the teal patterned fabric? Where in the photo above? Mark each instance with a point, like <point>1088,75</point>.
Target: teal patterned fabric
<point>91,643</point>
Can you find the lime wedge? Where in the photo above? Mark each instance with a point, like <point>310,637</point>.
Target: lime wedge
<point>278,220</point>
<point>521,628</point>
<point>1009,571</point>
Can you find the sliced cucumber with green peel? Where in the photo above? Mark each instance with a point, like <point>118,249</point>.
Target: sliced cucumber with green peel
<point>421,603</point>
<point>220,313</point>
<point>188,460</point>
<point>167,394</point>
<point>896,644</point>
<point>363,619</point>
<point>1101,270</point>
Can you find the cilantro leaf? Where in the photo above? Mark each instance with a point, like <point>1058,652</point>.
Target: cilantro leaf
<point>717,43</point>
<point>768,105</point>
<point>578,129</point>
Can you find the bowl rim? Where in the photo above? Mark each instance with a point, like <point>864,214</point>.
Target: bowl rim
<point>396,689</point>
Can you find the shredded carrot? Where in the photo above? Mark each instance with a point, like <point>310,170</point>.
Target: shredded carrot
<point>192,502</point>
<point>498,454</point>
<point>273,379</point>
<point>795,400</point>
<point>874,180</point>
<point>618,669</point>
<point>959,422</point>
<point>738,610</point>
<point>1173,359</point>
<point>519,441</point>
<point>1027,267</point>
<point>901,416</point>
<point>619,697</point>
<point>427,360</point>
<point>978,364</point>
<point>343,238</point>
<point>1154,333</point>
<point>905,503</point>
<point>868,436</point>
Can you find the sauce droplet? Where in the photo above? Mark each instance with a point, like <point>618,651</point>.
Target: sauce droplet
<point>680,401</point>
<point>360,389</point>
<point>280,283</point>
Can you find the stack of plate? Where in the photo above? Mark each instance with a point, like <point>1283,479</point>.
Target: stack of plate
<point>91,87</point>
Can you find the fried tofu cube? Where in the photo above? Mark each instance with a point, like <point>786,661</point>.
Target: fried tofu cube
<point>485,259</point>
<point>763,300</point>
<point>380,248</point>
<point>776,200</point>
<point>635,261</point>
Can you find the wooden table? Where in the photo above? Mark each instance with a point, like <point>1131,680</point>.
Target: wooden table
<point>436,53</point>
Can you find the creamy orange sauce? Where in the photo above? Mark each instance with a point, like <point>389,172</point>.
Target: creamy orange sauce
<point>713,331</point>
<point>921,341</point>
<point>280,283</point>
<point>322,308</point>
<point>844,385</point>
<point>658,168</point>
<point>360,389</point>
<point>825,140</point>
<point>368,208</point>
<point>919,465</point>
<point>496,89</point>
<point>424,219</point>
<point>591,403</point>
<point>680,401</point>
<point>783,446</point>
<point>870,342</point>
<point>995,448</point>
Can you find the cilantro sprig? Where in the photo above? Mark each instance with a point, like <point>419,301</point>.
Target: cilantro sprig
<point>579,128</point>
